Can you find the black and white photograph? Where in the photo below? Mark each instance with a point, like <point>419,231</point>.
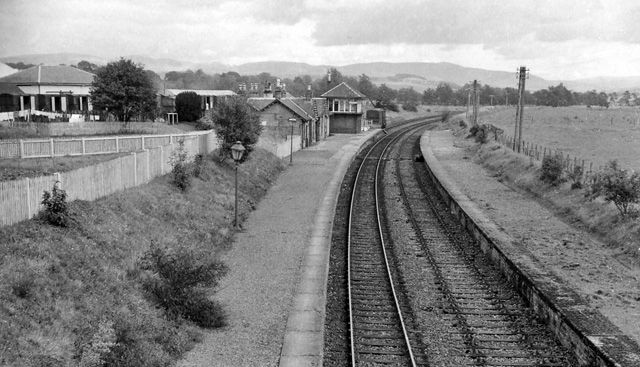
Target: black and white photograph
<point>309,183</point>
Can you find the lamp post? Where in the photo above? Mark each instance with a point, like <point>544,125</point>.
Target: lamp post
<point>237,150</point>
<point>291,122</point>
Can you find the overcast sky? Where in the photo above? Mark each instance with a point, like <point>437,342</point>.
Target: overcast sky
<point>555,39</point>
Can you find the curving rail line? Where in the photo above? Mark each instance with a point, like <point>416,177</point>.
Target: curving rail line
<point>378,334</point>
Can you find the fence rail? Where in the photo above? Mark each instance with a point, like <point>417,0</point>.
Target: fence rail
<point>538,152</point>
<point>55,147</point>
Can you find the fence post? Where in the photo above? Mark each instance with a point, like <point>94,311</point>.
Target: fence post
<point>28,196</point>
<point>162,159</point>
<point>135,169</point>
<point>117,145</point>
<point>148,161</point>
<point>84,149</point>
<point>21,148</point>
<point>51,147</point>
<point>58,180</point>
<point>142,137</point>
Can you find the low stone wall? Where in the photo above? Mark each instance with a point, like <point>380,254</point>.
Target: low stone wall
<point>588,334</point>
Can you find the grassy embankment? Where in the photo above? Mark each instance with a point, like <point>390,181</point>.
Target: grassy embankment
<point>582,132</point>
<point>70,292</point>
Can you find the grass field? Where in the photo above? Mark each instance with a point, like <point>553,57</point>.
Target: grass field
<point>65,292</point>
<point>593,134</point>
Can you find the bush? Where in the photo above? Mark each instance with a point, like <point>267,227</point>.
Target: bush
<point>181,169</point>
<point>198,161</point>
<point>616,185</point>
<point>551,171</point>
<point>234,121</point>
<point>480,133</point>
<point>410,106</point>
<point>56,211</point>
<point>177,284</point>
<point>576,177</point>
<point>188,106</point>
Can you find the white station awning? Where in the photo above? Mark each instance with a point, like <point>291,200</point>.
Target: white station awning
<point>55,89</point>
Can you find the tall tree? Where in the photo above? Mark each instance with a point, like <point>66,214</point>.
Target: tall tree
<point>234,120</point>
<point>123,87</point>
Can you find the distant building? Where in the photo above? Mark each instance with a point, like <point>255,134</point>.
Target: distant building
<point>46,88</point>
<point>275,110</point>
<point>209,98</point>
<point>345,109</point>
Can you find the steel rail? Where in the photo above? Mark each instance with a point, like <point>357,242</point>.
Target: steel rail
<point>402,129</point>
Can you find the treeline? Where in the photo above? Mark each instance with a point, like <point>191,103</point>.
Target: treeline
<point>555,96</point>
<point>381,95</point>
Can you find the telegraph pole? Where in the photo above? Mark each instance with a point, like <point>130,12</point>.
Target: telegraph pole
<point>476,101</point>
<point>517,138</point>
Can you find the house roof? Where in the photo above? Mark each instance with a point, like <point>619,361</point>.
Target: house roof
<point>302,108</point>
<point>343,90</point>
<point>43,74</point>
<point>201,92</point>
<point>7,88</point>
<point>259,103</point>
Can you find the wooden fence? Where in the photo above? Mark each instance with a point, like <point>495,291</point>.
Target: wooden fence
<point>55,147</point>
<point>20,199</point>
<point>538,152</point>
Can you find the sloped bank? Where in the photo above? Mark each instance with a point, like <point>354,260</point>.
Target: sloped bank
<point>594,340</point>
<point>66,292</point>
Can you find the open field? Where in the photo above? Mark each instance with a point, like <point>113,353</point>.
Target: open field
<point>593,134</point>
<point>423,110</point>
<point>68,292</point>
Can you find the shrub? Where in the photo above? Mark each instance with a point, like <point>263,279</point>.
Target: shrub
<point>234,121</point>
<point>181,169</point>
<point>56,211</point>
<point>551,171</point>
<point>410,106</point>
<point>188,106</point>
<point>177,284</point>
<point>95,352</point>
<point>480,133</point>
<point>576,176</point>
<point>198,161</point>
<point>616,185</point>
<point>23,287</point>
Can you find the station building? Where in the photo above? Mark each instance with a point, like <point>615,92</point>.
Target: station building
<point>46,88</point>
<point>345,109</point>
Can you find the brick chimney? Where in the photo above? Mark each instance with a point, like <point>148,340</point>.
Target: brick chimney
<point>268,93</point>
<point>308,93</point>
<point>277,92</point>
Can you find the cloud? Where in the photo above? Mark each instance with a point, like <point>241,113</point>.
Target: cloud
<point>491,23</point>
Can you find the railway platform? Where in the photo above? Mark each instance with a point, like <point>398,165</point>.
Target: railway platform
<point>561,269</point>
<point>275,290</point>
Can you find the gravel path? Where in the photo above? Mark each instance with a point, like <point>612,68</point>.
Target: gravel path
<point>265,263</point>
<point>588,266</point>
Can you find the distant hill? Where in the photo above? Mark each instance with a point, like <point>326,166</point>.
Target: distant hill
<point>419,75</point>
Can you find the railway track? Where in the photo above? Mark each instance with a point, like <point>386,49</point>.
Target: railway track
<point>378,332</point>
<point>418,290</point>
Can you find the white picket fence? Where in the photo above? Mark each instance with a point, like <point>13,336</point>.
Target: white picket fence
<point>56,147</point>
<point>20,199</point>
